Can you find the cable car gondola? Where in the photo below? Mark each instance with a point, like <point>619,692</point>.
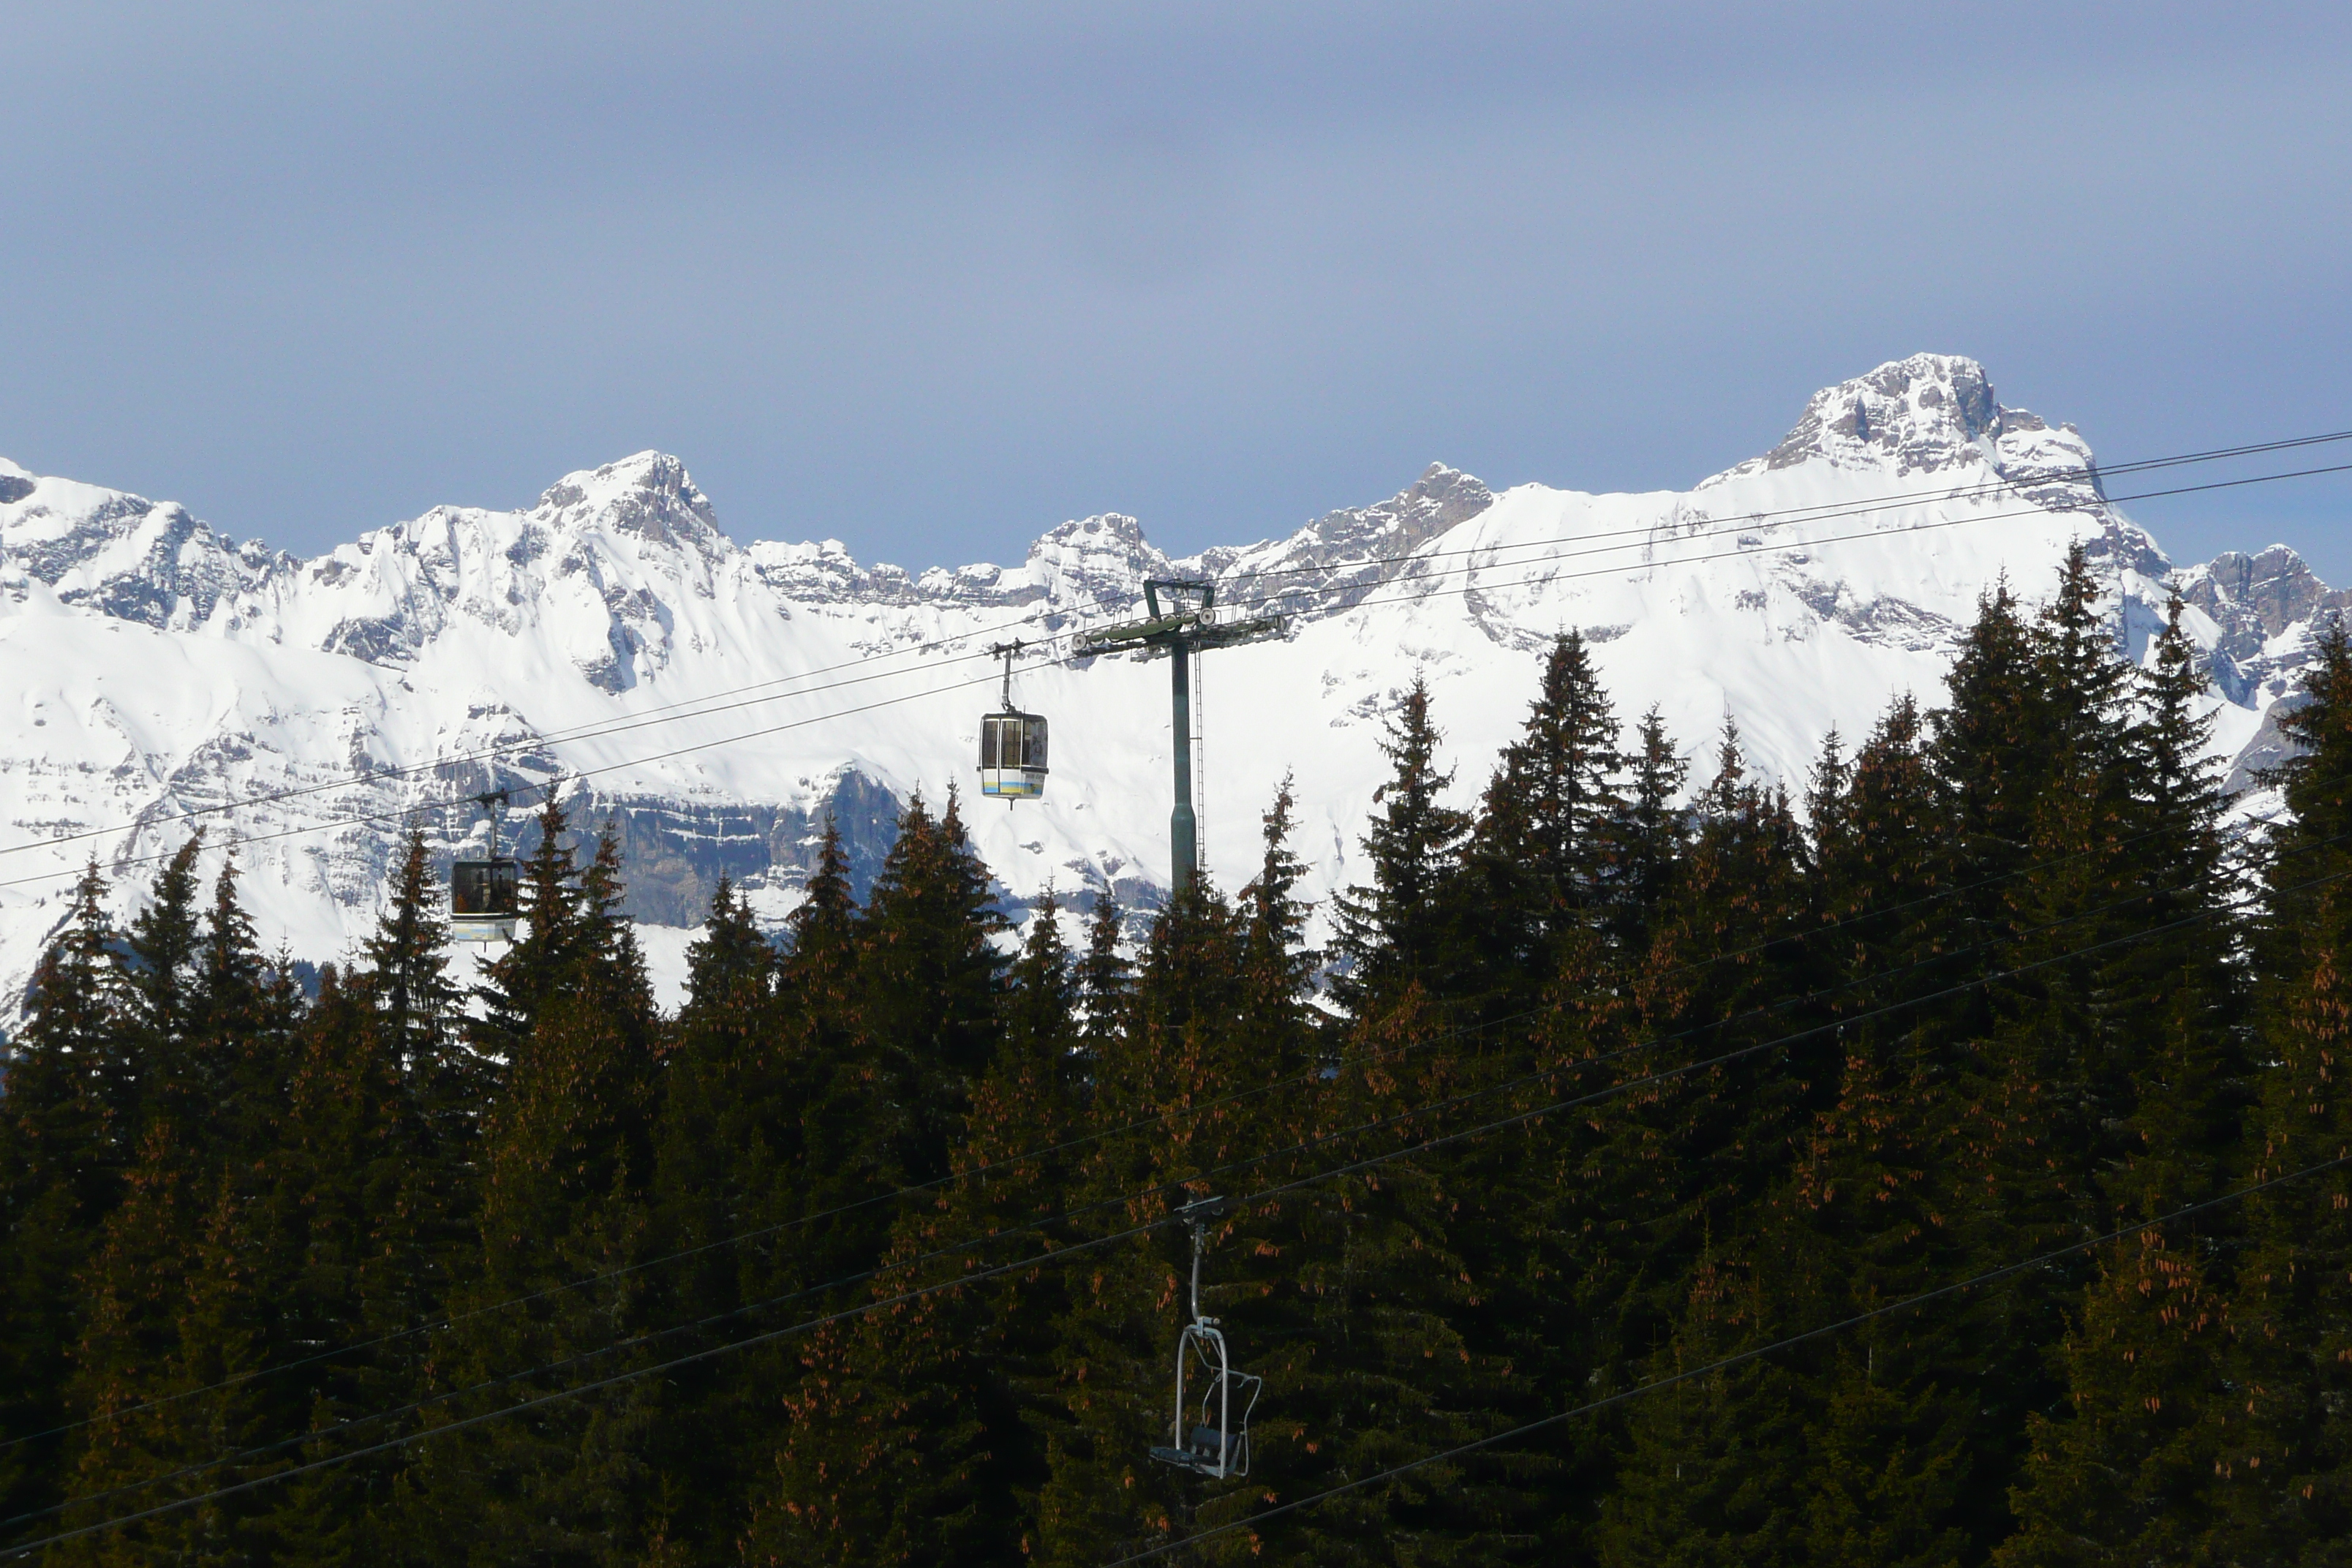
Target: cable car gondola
<point>1210,1436</point>
<point>486,895</point>
<point>1012,744</point>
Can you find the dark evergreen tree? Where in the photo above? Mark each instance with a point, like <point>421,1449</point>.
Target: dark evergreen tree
<point>549,942</point>
<point>67,1115</point>
<point>2128,1474</point>
<point>1867,1212</point>
<point>2284,1462</point>
<point>727,1188</point>
<point>565,1224</point>
<point>1392,929</point>
<point>841,1129</point>
<point>1650,837</point>
<point>1106,984</point>
<point>917,1440</point>
<point>160,956</point>
<point>929,975</point>
<point>1541,858</point>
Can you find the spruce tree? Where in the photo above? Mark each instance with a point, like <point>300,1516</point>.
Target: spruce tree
<point>1691,1165</point>
<point>1540,858</point>
<point>548,944</point>
<point>159,972</point>
<point>364,1252</point>
<point>2028,756</point>
<point>68,1117</point>
<point>917,1437</point>
<point>725,1169</point>
<point>842,1131</point>
<point>1649,837</point>
<point>1106,984</point>
<point>1869,1206</point>
<point>2285,1460</point>
<point>565,1221</point>
<point>2128,1474</point>
<point>1392,929</point>
<point>929,977</point>
<point>406,969</point>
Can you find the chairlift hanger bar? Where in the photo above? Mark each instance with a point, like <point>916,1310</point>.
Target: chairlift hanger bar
<point>1008,652</point>
<point>1112,1237</point>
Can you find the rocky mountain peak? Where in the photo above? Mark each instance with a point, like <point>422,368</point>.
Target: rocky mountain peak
<point>648,495</point>
<point>2274,588</point>
<point>1094,557</point>
<point>1935,415</point>
<point>1918,415</point>
<point>1350,551</point>
<point>127,557</point>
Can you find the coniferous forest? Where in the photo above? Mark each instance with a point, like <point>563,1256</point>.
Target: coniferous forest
<point>1946,1165</point>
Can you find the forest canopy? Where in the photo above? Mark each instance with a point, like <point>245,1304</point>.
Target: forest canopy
<point>1947,1164</point>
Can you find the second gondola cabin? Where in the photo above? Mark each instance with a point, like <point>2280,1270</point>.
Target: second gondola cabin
<point>486,894</point>
<point>1013,755</point>
<point>485,900</point>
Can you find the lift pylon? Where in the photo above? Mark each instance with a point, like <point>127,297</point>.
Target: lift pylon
<point>1183,626</point>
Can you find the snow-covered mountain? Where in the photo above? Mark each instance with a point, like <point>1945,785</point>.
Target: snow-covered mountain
<point>715,700</point>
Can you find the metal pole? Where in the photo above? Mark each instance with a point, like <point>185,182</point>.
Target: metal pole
<point>1199,1237</point>
<point>1182,828</point>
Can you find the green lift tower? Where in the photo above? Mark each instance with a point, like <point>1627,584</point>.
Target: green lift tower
<point>1179,626</point>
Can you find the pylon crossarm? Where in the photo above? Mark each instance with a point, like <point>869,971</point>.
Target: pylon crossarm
<point>1194,632</point>
<point>1233,634</point>
<point>1139,632</point>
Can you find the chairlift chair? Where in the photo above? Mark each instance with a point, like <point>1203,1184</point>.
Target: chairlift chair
<point>486,894</point>
<point>1012,744</point>
<point>1210,1436</point>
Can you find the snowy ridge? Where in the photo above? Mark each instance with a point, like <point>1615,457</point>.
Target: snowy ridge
<point>155,667</point>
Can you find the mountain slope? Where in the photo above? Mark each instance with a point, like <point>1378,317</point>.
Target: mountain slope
<point>717,699</point>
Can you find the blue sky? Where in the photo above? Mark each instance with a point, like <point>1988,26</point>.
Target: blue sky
<point>931,278</point>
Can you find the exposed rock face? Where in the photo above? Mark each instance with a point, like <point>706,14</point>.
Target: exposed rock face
<point>1936,414</point>
<point>1921,415</point>
<point>715,703</point>
<point>1342,556</point>
<point>125,556</point>
<point>2266,613</point>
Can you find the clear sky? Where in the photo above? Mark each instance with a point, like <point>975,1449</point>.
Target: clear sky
<point>933,278</point>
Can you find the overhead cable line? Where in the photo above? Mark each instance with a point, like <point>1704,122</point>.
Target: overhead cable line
<point>1196,1109</point>
<point>1069,1250</point>
<point>1738,1358</point>
<point>665,712</point>
<point>1540,580</point>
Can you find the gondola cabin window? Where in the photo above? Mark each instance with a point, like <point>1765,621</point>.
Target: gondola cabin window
<point>484,897</point>
<point>1013,755</point>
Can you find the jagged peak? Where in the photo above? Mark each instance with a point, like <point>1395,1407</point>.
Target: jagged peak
<point>647,493</point>
<point>1104,529</point>
<point>1448,487</point>
<point>2275,586</point>
<point>1916,414</point>
<point>1443,498</point>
